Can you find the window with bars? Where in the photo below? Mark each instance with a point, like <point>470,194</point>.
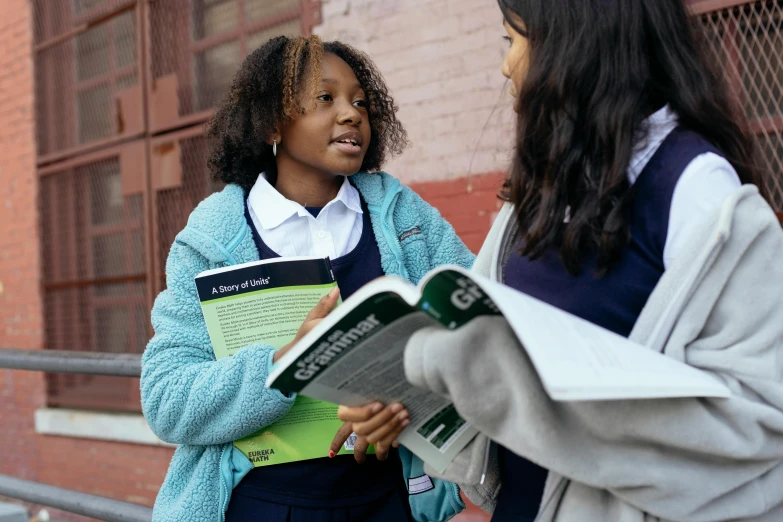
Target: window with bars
<point>87,72</point>
<point>105,62</point>
<point>224,31</point>
<point>747,40</point>
<point>214,36</point>
<point>94,275</point>
<point>120,171</point>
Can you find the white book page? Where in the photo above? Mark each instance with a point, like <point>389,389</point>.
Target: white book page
<point>393,284</point>
<point>373,369</point>
<point>377,371</point>
<point>579,361</point>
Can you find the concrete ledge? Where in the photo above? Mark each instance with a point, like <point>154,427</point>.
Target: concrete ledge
<point>85,424</point>
<point>12,513</point>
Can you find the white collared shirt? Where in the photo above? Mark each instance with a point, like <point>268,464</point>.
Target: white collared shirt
<point>704,184</point>
<point>290,230</point>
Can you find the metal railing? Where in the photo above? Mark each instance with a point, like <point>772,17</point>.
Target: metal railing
<point>94,506</point>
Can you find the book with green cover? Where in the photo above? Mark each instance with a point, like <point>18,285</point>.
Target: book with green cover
<point>265,302</point>
<point>356,355</point>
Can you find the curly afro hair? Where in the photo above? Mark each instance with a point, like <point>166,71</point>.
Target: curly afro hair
<point>265,95</point>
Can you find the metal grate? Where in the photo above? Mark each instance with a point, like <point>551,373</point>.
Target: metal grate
<point>94,277</point>
<point>123,88</point>
<point>174,204</point>
<point>198,45</point>
<point>747,41</point>
<point>88,62</point>
<point>87,72</point>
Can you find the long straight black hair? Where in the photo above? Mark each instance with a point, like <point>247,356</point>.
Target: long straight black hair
<point>598,69</point>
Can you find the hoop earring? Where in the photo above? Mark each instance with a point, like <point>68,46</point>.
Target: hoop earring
<point>274,147</point>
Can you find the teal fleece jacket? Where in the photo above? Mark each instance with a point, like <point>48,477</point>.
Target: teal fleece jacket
<point>201,404</point>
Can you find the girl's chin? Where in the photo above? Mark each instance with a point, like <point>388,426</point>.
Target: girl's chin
<point>346,166</point>
<point>342,171</point>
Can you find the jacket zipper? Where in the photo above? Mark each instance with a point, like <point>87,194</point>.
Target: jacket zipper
<point>391,238</point>
<point>223,486</point>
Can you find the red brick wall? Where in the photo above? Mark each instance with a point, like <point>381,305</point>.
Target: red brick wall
<point>20,301</point>
<point>128,472</point>
<point>469,204</point>
<point>122,471</point>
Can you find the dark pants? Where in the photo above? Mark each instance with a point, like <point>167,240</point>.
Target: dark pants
<point>392,508</point>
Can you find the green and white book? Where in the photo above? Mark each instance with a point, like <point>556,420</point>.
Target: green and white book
<point>265,302</point>
<point>355,355</point>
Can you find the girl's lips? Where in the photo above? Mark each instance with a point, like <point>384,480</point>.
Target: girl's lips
<point>347,148</point>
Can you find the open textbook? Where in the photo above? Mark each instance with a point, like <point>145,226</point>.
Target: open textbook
<point>265,302</point>
<point>355,355</point>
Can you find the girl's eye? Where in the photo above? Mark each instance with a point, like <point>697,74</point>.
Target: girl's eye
<point>325,97</point>
<point>509,40</point>
<point>361,103</point>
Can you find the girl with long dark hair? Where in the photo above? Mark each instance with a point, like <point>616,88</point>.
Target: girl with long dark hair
<point>633,202</point>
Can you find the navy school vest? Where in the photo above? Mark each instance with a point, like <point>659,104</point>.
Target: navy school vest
<point>339,482</point>
<point>613,301</point>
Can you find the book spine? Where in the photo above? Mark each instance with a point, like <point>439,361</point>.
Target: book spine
<point>329,266</point>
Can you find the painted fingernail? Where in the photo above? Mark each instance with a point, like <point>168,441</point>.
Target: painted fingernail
<point>405,422</point>
<point>396,408</point>
<point>402,416</point>
<point>331,454</point>
<point>376,407</point>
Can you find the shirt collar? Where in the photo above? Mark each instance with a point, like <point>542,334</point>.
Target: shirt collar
<point>272,209</point>
<point>348,196</point>
<point>659,125</point>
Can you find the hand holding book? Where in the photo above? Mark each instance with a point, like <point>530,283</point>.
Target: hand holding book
<point>377,425</point>
<point>314,316</point>
<point>275,302</point>
<point>361,445</point>
<point>356,356</point>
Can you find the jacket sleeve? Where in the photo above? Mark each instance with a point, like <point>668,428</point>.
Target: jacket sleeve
<point>187,396</point>
<point>679,459</point>
<point>443,244</point>
<point>431,499</point>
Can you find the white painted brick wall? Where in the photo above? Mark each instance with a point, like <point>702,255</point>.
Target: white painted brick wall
<point>441,59</point>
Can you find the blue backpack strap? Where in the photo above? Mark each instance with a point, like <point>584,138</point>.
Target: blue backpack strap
<point>431,499</point>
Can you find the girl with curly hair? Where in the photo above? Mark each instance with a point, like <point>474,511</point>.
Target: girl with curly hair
<point>299,140</point>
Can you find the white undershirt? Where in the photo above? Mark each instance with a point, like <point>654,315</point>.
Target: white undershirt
<point>704,184</point>
<point>290,230</point>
